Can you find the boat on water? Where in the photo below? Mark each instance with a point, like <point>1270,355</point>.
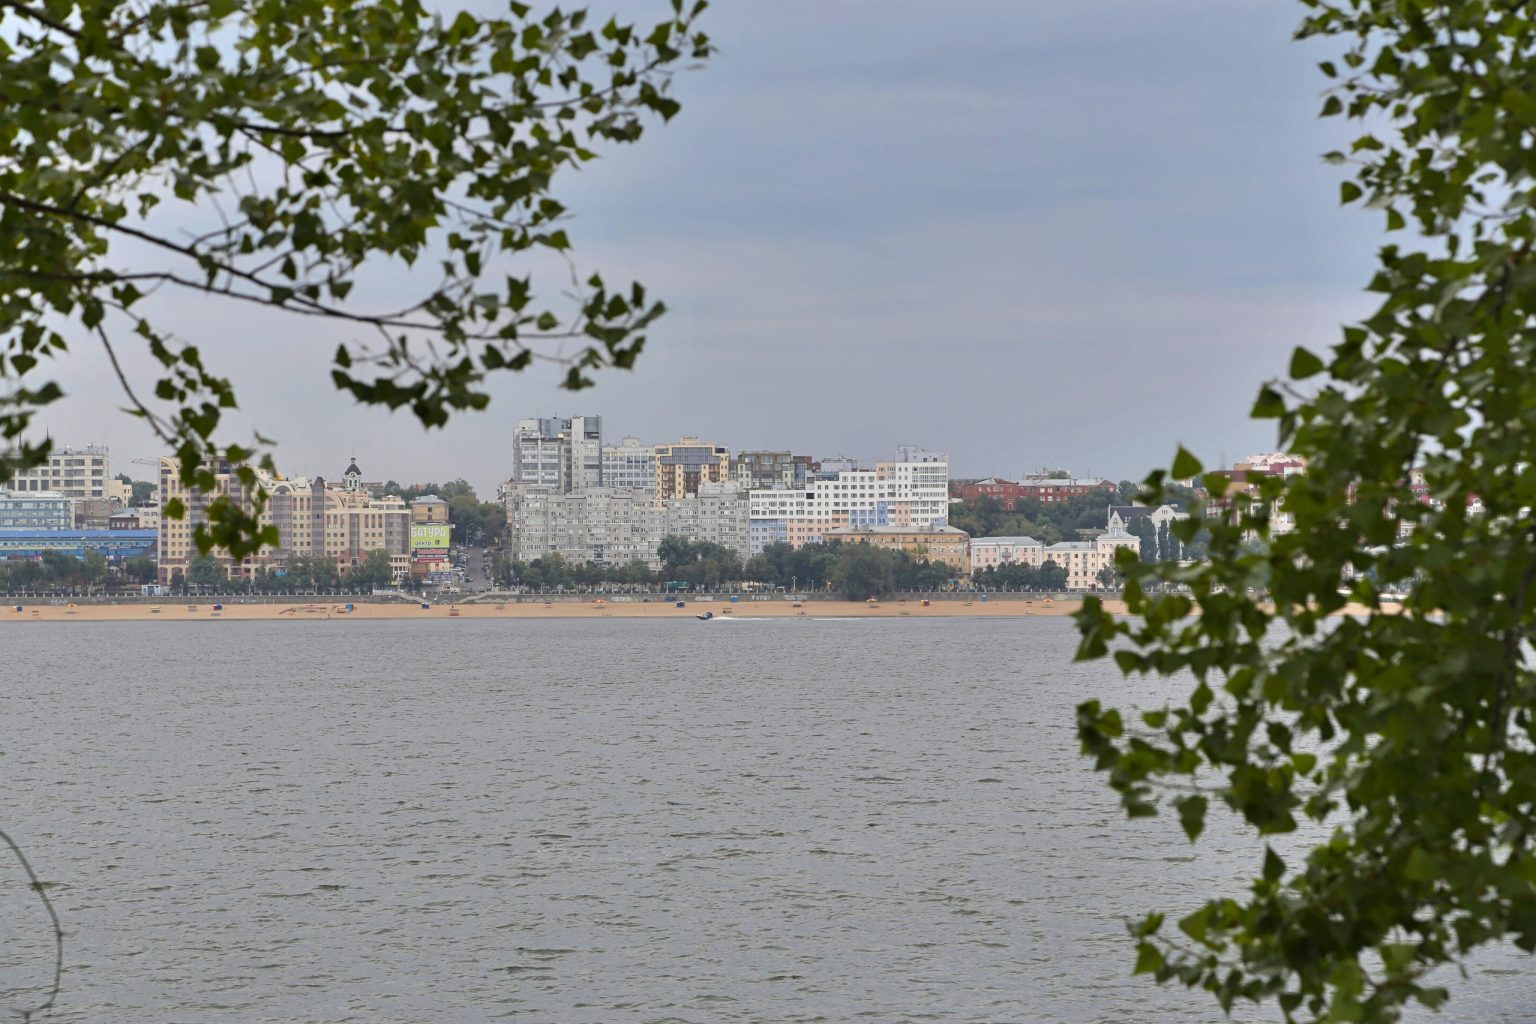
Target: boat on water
<point>705,617</point>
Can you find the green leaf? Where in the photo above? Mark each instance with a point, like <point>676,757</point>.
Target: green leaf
<point>1304,364</point>
<point>1348,193</point>
<point>1192,815</point>
<point>1274,867</point>
<point>1185,465</point>
<point>1269,405</point>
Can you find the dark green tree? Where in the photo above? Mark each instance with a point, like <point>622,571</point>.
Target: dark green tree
<point>862,571</point>
<point>205,571</point>
<point>1407,737</point>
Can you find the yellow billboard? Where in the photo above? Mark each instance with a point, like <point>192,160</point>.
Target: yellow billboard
<point>429,539</point>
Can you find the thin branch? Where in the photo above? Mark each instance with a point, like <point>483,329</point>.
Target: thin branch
<point>58,929</point>
<point>41,18</point>
<point>154,421</point>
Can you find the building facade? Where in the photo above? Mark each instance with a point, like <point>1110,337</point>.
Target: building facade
<point>1008,493</point>
<point>1085,559</point>
<point>115,545</point>
<point>341,522</point>
<point>995,552</point>
<point>602,525</point>
<point>630,465</point>
<point>563,453</point>
<point>36,510</point>
<point>945,544</point>
<point>682,466</point>
<point>1122,516</point>
<point>78,473</point>
<point>719,513</point>
<point>896,493</point>
<point>764,470</point>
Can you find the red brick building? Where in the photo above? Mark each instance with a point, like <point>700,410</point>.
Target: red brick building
<point>1007,493</point>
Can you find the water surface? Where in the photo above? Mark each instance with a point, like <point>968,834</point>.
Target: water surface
<point>596,821</point>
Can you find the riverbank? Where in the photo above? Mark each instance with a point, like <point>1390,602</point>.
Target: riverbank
<point>185,611</point>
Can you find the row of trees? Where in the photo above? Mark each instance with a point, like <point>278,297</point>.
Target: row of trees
<point>1046,521</point>
<point>857,571</point>
<point>301,573</point>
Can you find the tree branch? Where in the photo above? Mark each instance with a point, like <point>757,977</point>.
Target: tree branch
<point>53,917</point>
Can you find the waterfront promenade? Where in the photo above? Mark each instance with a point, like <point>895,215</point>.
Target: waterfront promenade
<point>533,608</point>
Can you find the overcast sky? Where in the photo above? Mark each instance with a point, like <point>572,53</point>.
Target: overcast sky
<point>1025,232</point>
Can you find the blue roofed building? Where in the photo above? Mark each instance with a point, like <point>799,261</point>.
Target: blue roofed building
<point>116,545</point>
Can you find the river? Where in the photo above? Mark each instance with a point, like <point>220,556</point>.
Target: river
<point>589,821</point>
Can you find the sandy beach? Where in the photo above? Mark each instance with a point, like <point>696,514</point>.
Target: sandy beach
<point>194,610</point>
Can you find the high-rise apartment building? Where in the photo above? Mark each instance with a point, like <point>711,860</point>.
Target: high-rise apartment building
<point>566,454</point>
<point>719,513</point>
<point>630,466</point>
<point>598,524</point>
<point>682,466</point>
<point>764,470</point>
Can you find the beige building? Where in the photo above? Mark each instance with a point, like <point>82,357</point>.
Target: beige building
<point>682,466</point>
<point>1085,559</point>
<point>78,473</point>
<point>946,544</point>
<point>994,552</point>
<point>314,519</point>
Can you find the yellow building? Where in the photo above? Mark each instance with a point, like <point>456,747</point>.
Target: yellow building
<point>683,465</point>
<point>945,544</point>
<point>314,519</point>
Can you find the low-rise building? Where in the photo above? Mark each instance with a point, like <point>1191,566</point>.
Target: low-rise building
<point>115,545</point>
<point>946,544</point>
<point>1084,560</point>
<point>1123,516</point>
<point>995,552</point>
<point>36,510</point>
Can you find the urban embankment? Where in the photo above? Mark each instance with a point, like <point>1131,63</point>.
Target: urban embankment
<point>531,608</point>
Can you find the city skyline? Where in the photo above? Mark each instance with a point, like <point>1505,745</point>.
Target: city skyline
<point>938,233</point>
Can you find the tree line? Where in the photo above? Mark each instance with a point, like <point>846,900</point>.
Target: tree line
<point>302,572</point>
<point>856,571</point>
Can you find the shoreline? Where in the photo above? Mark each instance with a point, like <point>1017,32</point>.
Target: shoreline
<point>194,610</point>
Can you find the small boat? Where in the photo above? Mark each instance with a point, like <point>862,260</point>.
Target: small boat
<point>705,617</point>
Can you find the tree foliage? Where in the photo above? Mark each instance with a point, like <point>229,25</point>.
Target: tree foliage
<point>1408,736</point>
<point>306,157</point>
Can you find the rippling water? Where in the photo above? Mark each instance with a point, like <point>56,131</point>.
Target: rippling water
<point>615,820</point>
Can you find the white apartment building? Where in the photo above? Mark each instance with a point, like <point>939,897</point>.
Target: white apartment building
<point>598,524</point>
<point>563,453</point>
<point>612,527</point>
<point>896,493</point>
<point>630,466</point>
<point>78,473</point>
<point>992,552</point>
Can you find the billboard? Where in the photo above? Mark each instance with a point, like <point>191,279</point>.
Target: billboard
<point>432,536</point>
